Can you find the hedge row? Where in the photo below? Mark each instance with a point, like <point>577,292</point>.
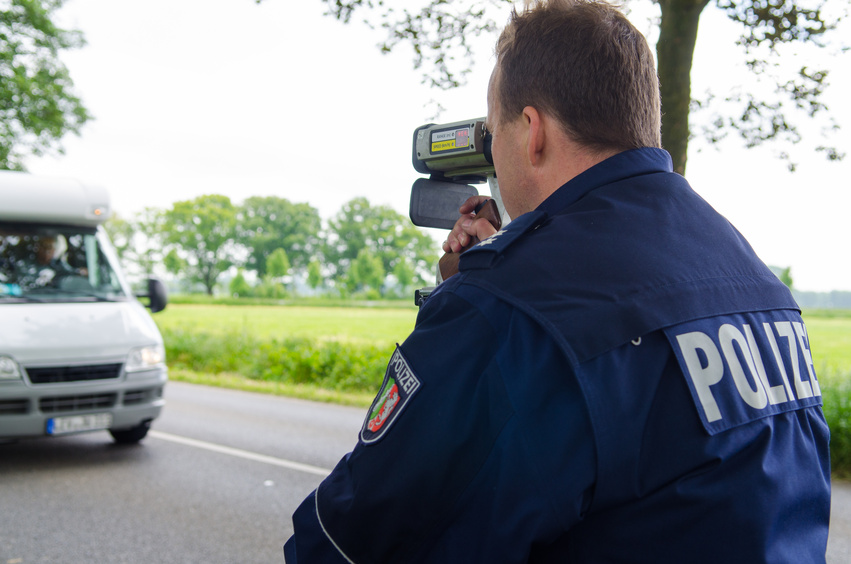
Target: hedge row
<point>332,365</point>
<point>836,395</point>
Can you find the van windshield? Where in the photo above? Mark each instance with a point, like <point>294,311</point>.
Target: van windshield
<point>50,263</point>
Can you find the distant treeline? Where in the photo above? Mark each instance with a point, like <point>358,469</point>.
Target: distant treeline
<point>823,300</point>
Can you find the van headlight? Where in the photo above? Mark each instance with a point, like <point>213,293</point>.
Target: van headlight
<point>9,369</point>
<point>145,358</point>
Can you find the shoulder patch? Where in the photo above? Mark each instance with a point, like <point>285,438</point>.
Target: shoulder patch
<point>742,367</point>
<point>400,385</point>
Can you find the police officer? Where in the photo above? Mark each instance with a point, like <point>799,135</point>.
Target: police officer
<point>613,377</point>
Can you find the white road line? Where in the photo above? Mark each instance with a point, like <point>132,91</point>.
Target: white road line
<point>240,453</point>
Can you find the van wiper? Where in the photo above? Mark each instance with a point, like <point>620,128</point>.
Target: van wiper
<point>80,295</point>
<point>90,295</point>
<point>22,299</point>
<point>53,295</point>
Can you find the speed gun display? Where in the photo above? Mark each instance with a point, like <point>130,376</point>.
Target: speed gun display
<point>460,151</point>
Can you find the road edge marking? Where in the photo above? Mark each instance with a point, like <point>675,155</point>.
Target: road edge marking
<point>239,453</point>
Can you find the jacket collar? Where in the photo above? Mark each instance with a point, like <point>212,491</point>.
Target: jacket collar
<point>634,162</point>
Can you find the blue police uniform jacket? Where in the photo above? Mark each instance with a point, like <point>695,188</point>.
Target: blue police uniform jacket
<point>614,377</point>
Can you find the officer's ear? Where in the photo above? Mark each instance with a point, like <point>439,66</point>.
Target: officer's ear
<point>535,135</point>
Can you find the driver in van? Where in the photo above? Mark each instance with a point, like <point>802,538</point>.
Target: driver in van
<point>49,254</point>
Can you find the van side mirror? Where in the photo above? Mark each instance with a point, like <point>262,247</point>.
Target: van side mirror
<point>157,295</point>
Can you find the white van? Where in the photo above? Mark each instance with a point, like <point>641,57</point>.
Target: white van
<point>78,351</point>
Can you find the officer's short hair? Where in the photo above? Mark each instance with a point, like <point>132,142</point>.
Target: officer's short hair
<point>584,63</point>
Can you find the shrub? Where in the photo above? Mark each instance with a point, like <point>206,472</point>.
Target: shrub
<point>332,365</point>
<point>836,395</point>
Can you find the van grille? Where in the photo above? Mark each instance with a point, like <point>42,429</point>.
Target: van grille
<point>14,406</point>
<point>60,374</point>
<point>76,403</point>
<point>135,397</point>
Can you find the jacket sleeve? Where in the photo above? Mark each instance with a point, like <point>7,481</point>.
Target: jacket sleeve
<point>455,464</point>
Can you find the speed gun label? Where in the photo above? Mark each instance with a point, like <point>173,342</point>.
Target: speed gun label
<point>450,140</point>
<point>743,367</point>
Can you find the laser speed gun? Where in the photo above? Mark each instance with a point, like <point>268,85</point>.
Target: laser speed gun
<point>454,156</point>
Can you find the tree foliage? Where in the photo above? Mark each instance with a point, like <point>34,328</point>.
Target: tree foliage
<point>239,286</point>
<point>314,274</point>
<point>790,95</point>
<point>382,231</point>
<point>138,241</point>
<point>38,105</point>
<point>277,264</point>
<point>405,274</point>
<point>269,223</point>
<point>439,31</point>
<point>366,272</point>
<point>786,277</point>
<point>203,230</point>
<point>202,238</point>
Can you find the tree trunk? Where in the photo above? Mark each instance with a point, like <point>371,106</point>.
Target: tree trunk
<point>675,51</point>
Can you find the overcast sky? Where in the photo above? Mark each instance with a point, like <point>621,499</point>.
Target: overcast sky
<point>230,97</point>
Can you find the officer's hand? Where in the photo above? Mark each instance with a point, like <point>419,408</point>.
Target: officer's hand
<point>468,230</point>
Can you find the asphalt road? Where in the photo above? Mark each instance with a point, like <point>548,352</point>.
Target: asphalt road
<point>216,481</point>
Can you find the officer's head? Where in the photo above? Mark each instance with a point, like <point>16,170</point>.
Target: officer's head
<point>583,63</point>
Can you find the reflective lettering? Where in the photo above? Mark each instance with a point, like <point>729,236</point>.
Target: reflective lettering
<point>778,359</point>
<point>801,332</point>
<point>754,397</point>
<point>742,367</point>
<point>784,329</point>
<point>776,394</point>
<point>703,377</point>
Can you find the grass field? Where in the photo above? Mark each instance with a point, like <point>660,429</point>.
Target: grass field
<point>829,331</point>
<point>347,324</point>
<point>830,341</point>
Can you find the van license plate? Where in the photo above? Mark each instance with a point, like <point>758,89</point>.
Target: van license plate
<point>77,423</point>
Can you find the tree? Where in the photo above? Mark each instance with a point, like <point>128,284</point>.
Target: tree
<point>784,274</point>
<point>239,286</point>
<point>277,267</point>
<point>314,274</point>
<point>121,234</point>
<point>174,263</point>
<point>404,274</point>
<point>138,241</point>
<point>384,232</point>
<point>37,101</point>
<point>786,277</point>
<point>203,232</point>
<point>366,272</point>
<point>277,264</point>
<point>441,31</point>
<point>270,223</point>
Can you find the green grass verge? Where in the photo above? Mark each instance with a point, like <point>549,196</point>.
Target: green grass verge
<point>334,365</point>
<point>377,326</point>
<point>203,299</point>
<point>300,391</point>
<point>329,353</point>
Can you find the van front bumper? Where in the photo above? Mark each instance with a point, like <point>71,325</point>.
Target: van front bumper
<point>25,409</point>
